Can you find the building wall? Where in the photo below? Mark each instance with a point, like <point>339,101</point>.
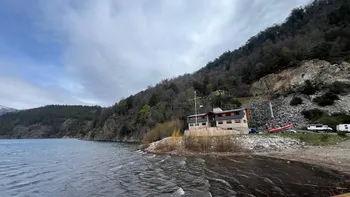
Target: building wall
<point>211,131</point>
<point>192,126</point>
<point>234,124</point>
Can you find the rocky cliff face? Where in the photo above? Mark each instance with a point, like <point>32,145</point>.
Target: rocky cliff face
<point>288,84</point>
<point>319,73</point>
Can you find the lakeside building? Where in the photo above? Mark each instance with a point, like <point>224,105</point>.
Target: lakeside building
<point>235,119</point>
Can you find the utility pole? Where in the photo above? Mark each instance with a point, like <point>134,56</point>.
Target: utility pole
<point>271,109</point>
<point>195,107</point>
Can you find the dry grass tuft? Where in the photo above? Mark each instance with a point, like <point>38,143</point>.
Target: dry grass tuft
<point>176,133</point>
<point>170,144</point>
<point>161,131</point>
<point>212,144</point>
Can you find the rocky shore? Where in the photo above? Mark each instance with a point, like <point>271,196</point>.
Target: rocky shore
<point>335,157</point>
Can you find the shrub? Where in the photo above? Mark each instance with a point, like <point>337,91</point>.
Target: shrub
<point>326,99</point>
<point>170,144</point>
<point>236,103</point>
<point>312,114</point>
<point>342,134</point>
<point>342,118</point>
<point>308,89</point>
<point>161,131</point>
<point>339,87</point>
<point>207,144</point>
<point>227,144</point>
<point>296,101</point>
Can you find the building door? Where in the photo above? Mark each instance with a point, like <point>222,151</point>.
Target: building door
<point>212,123</point>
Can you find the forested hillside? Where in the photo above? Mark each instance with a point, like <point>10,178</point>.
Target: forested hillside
<point>46,122</point>
<point>321,30</point>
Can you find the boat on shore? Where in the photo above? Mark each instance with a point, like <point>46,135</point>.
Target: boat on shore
<point>279,129</point>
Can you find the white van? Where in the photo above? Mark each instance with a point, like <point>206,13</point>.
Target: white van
<point>319,127</point>
<point>343,127</point>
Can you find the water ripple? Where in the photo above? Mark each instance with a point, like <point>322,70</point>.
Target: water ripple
<point>76,168</point>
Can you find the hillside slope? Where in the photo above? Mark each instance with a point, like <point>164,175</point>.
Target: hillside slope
<point>51,121</point>
<point>321,30</point>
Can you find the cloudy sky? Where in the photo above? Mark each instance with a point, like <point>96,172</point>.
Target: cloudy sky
<point>98,51</point>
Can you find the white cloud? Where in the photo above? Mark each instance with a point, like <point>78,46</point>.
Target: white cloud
<point>116,48</point>
<point>22,94</point>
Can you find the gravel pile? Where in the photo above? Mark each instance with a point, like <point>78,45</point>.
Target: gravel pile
<point>262,143</point>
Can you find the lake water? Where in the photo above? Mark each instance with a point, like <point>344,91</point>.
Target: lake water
<point>69,167</point>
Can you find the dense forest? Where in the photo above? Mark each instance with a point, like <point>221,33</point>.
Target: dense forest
<point>320,30</point>
<point>59,120</point>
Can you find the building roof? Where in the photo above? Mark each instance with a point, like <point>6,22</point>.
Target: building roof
<point>217,112</point>
<point>203,114</point>
<point>231,110</point>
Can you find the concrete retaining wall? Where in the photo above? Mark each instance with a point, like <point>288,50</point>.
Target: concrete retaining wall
<point>213,131</point>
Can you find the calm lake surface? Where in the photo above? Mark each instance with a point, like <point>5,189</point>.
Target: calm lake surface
<point>69,167</point>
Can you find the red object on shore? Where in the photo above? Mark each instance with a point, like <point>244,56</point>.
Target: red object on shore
<point>276,130</point>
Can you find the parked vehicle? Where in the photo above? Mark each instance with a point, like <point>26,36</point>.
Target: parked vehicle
<point>343,127</point>
<point>253,131</point>
<point>319,127</point>
<point>289,131</point>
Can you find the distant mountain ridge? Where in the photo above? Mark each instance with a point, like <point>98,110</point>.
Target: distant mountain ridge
<point>4,110</point>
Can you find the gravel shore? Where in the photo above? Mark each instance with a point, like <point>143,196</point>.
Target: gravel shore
<point>335,157</point>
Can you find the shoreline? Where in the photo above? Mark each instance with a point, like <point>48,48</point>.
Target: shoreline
<point>341,166</point>
<point>333,157</point>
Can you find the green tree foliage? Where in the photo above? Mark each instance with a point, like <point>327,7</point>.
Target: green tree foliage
<point>121,107</point>
<point>145,113</point>
<point>326,99</point>
<point>153,100</point>
<point>209,89</point>
<point>312,114</point>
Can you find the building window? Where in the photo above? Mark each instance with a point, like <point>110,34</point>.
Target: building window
<point>237,113</point>
<point>229,122</point>
<point>220,122</point>
<point>245,121</point>
<point>237,121</point>
<point>204,123</point>
<point>232,114</point>
<point>197,124</point>
<point>223,115</point>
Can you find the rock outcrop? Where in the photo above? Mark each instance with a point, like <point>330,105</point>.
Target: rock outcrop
<point>288,84</point>
<point>320,73</point>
